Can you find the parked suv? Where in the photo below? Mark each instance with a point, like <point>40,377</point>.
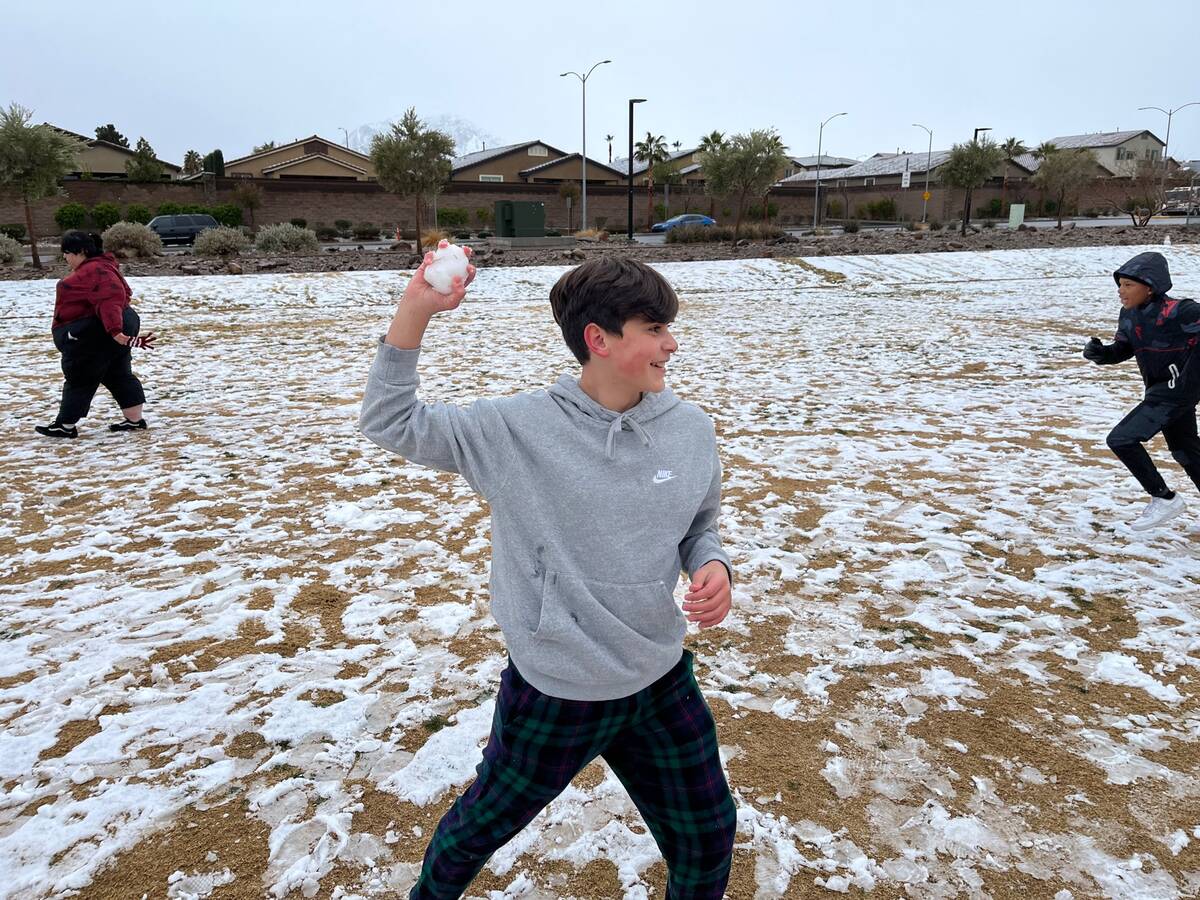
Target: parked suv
<point>181,228</point>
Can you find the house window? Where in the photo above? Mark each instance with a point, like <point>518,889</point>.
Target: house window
<point>538,150</point>
<point>1125,153</point>
<point>496,178</point>
<point>841,182</point>
<point>868,182</point>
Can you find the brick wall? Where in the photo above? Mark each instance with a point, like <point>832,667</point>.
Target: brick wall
<point>360,201</point>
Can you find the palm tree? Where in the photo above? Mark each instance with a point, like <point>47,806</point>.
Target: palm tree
<point>714,140</point>
<point>1012,149</point>
<point>609,138</point>
<point>969,167</point>
<point>1042,150</point>
<point>651,151</point>
<point>677,145</point>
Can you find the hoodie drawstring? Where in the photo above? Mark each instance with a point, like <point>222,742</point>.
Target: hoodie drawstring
<point>617,426</point>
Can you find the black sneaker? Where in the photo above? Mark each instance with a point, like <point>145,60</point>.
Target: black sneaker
<point>126,425</point>
<point>57,430</point>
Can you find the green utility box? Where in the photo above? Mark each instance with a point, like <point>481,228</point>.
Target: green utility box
<point>520,218</point>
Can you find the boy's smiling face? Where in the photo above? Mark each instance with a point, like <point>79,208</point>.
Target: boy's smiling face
<point>639,355</point>
<point>1132,293</point>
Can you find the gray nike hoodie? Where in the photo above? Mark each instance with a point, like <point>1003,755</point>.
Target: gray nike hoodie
<point>594,514</point>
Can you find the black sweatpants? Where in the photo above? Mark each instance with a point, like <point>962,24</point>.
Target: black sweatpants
<point>100,361</point>
<point>1178,427</point>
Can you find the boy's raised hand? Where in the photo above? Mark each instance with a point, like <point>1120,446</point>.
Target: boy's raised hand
<point>709,597</point>
<point>421,296</point>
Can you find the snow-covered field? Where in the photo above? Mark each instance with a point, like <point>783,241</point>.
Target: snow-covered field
<point>248,653</point>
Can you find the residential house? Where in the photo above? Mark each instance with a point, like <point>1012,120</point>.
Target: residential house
<point>1119,152</point>
<point>569,168</point>
<point>809,164</point>
<point>684,160</point>
<point>102,159</point>
<point>503,165</point>
<point>311,159</point>
<point>888,169</point>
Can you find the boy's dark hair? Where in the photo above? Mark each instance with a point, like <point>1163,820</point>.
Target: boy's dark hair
<point>86,242</point>
<point>609,291</point>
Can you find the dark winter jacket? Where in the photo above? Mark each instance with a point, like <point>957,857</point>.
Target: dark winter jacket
<point>95,289</point>
<point>1162,333</point>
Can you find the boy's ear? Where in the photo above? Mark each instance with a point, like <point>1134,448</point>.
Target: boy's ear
<point>595,339</point>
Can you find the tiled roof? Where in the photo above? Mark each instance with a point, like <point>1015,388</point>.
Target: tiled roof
<point>472,159</point>
<point>826,160</point>
<point>1099,139</point>
<point>299,159</point>
<point>893,164</point>
<point>639,166</point>
<point>573,156</point>
<point>300,143</point>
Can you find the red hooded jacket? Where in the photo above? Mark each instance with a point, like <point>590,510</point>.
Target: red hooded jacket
<point>96,288</point>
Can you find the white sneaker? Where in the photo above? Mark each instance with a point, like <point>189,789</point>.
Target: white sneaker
<point>1158,511</point>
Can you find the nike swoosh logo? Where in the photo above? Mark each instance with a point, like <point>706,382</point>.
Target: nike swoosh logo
<point>660,480</point>
<point>71,337</point>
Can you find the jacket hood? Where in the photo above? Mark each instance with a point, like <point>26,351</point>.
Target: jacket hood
<point>1149,269</point>
<point>571,398</point>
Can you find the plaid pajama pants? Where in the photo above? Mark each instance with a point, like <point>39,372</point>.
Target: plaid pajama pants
<point>662,744</point>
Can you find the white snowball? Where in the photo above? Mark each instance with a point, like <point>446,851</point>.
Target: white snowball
<point>449,262</point>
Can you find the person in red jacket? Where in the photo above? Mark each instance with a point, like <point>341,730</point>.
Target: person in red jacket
<point>94,328</point>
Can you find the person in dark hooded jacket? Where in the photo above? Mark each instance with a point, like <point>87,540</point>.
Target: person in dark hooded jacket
<point>94,328</point>
<point>1161,332</point>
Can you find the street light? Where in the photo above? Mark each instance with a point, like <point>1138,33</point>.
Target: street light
<point>928,155</point>
<point>629,162</point>
<point>1168,113</point>
<point>975,136</point>
<point>347,136</point>
<point>817,189</point>
<point>583,162</point>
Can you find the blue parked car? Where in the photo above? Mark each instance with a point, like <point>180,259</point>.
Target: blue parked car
<point>685,219</point>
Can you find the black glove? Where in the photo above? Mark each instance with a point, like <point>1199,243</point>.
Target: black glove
<point>143,342</point>
<point>1093,350</point>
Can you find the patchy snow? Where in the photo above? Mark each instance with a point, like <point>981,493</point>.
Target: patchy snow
<point>949,666</point>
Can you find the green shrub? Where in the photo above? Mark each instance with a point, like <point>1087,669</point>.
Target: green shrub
<point>299,223</point>
<point>988,223</point>
<point>70,216</point>
<point>168,209</point>
<point>366,231</point>
<point>726,212</point>
<point>228,214</point>
<point>691,234</point>
<point>851,226</point>
<point>833,208</point>
<point>660,212</point>
<point>327,233</point>
<point>935,225</point>
<point>105,215</point>
<point>221,241</point>
<point>16,231</point>
<point>286,237</point>
<point>129,239</point>
<point>452,216</point>
<point>485,234</point>
<point>462,235</point>
<point>135,212</point>
<point>755,212</point>
<point>484,215</point>
<point>342,225</point>
<point>878,211</point>
<point>11,253</point>
<point>1050,207</point>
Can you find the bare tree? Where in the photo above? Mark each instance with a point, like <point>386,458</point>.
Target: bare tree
<point>1142,195</point>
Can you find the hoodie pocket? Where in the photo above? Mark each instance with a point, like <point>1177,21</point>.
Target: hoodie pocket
<point>603,631</point>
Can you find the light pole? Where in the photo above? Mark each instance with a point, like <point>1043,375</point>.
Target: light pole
<point>583,162</point>
<point>346,135</point>
<point>975,136</point>
<point>629,162</point>
<point>817,189</point>
<point>928,156</point>
<point>1166,145</point>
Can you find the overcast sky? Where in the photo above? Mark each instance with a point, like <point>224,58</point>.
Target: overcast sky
<point>233,74</point>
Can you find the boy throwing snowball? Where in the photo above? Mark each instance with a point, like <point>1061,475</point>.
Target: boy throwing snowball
<point>602,488</point>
